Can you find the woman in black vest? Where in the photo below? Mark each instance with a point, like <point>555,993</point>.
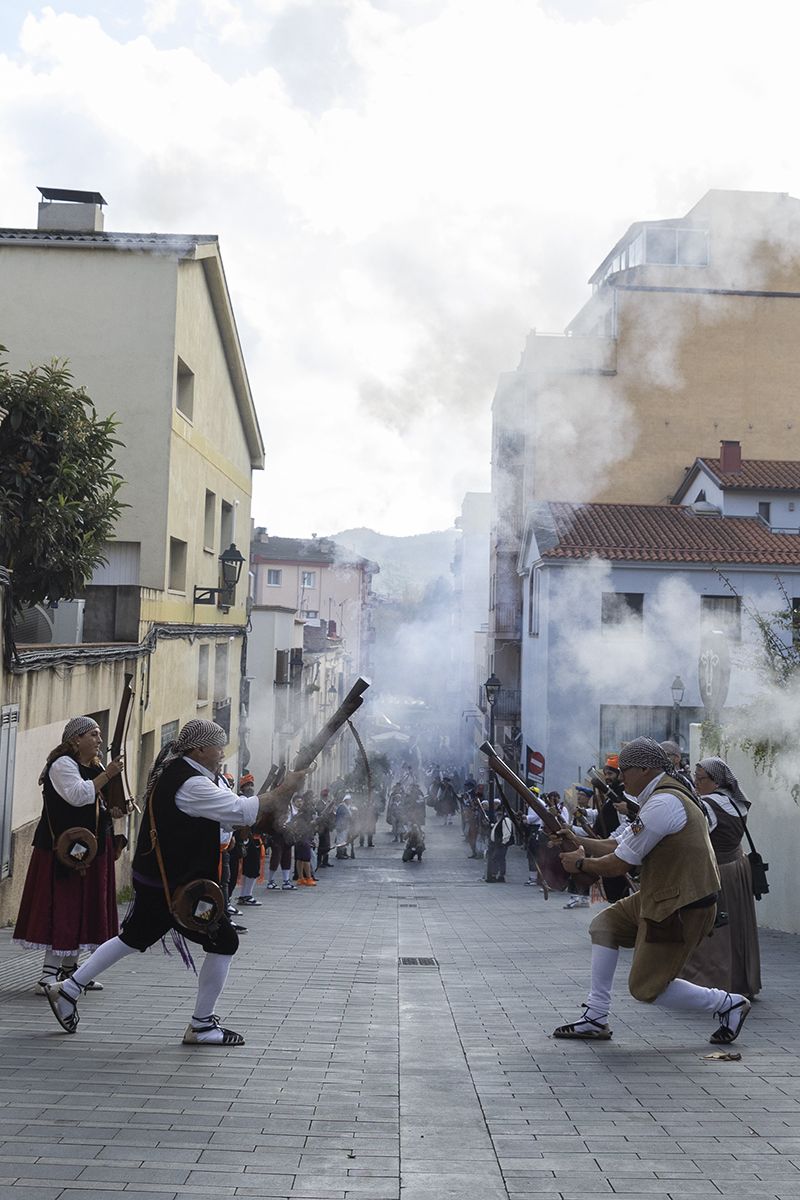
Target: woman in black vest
<point>730,957</point>
<point>64,910</point>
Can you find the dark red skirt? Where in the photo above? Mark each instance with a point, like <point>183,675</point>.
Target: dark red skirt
<point>64,911</point>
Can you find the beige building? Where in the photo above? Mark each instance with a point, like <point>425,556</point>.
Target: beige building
<point>146,323</point>
<point>311,638</point>
<point>691,335</point>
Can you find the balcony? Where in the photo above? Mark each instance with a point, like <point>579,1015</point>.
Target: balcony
<point>507,706</point>
<point>221,714</point>
<point>506,621</point>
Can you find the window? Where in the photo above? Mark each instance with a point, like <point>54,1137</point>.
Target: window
<point>274,577</point>
<point>177,565</point>
<point>310,614</point>
<point>796,621</point>
<point>534,590</point>
<point>677,247</point>
<point>209,517</point>
<point>221,672</point>
<point>308,579</point>
<point>622,611</point>
<point>722,612</point>
<point>168,733</point>
<point>184,390</point>
<point>764,507</point>
<point>226,531</point>
<point>202,675</point>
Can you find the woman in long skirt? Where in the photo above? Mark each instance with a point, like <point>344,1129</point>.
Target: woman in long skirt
<point>730,957</point>
<point>64,909</point>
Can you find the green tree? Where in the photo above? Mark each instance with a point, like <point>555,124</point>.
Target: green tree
<point>58,485</point>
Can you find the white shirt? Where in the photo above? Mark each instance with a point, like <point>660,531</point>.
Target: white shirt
<point>200,796</point>
<point>70,784</point>
<point>658,817</point>
<point>532,818</point>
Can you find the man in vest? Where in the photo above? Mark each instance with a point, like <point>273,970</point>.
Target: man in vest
<point>187,804</point>
<point>672,912</point>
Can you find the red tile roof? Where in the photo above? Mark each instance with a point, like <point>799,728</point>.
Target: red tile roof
<point>659,533</point>
<point>759,474</point>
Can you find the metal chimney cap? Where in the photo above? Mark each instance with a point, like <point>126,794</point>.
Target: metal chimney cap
<point>48,193</point>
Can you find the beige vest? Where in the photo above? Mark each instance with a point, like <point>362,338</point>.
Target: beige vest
<point>682,867</point>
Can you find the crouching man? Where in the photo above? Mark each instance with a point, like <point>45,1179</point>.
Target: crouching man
<point>187,803</point>
<point>672,912</point>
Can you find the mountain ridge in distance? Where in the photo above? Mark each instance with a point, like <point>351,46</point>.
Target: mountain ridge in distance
<point>408,564</point>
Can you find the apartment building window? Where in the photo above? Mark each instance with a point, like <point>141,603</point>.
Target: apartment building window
<point>209,517</point>
<point>169,732</point>
<point>274,577</point>
<point>310,614</point>
<point>308,579</point>
<point>184,391</point>
<point>722,612</point>
<point>221,672</point>
<point>764,509</point>
<point>202,675</point>
<point>676,247</point>
<point>226,530</point>
<point>177,565</point>
<point>796,621</point>
<point>534,592</point>
<point>622,612</point>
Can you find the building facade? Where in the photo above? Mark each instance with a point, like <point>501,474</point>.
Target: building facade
<point>146,324</point>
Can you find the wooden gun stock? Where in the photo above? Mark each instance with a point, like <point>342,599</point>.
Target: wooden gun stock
<point>352,701</point>
<point>114,790</point>
<point>551,823</point>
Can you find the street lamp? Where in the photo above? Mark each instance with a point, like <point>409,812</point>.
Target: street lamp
<point>678,690</point>
<point>231,562</point>
<point>491,690</point>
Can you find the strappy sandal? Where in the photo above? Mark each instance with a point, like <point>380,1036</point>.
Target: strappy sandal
<point>229,1036</point>
<point>65,1008</point>
<point>725,1035</point>
<point>598,1032</point>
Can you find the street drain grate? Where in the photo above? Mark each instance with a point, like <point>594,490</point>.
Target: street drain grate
<point>408,906</point>
<point>418,962</point>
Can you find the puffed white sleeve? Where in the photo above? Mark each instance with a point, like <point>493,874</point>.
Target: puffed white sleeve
<point>70,784</point>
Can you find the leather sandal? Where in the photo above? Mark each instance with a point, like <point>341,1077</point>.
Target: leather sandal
<point>598,1033</point>
<point>725,1034</point>
<point>64,1006</point>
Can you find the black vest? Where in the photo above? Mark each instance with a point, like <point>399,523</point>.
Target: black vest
<point>189,845</point>
<point>58,815</point>
<point>729,831</point>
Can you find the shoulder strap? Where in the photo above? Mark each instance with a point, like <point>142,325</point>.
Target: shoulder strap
<point>744,823</point>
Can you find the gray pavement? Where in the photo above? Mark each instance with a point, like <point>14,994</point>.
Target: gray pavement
<point>367,1077</point>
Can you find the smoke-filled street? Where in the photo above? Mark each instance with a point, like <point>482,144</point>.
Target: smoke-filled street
<point>367,1075</point>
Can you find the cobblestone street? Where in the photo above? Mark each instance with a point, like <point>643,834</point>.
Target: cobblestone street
<point>397,1021</point>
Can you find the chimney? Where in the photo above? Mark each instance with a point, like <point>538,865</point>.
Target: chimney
<point>730,458</point>
<point>62,210</point>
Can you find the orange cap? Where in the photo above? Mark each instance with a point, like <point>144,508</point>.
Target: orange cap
<point>613,761</point>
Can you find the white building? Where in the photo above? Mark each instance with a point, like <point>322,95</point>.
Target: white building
<point>617,597</point>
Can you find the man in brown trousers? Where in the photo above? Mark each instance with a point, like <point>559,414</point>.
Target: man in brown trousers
<point>672,912</point>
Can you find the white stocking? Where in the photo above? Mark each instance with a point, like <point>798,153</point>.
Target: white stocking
<point>690,997</point>
<point>210,983</point>
<point>246,886</point>
<point>105,956</point>
<point>604,964</point>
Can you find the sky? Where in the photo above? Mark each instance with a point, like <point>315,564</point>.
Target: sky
<point>402,189</point>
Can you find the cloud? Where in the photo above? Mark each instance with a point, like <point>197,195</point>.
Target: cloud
<point>401,191</point>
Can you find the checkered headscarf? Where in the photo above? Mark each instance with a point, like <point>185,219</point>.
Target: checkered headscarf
<point>77,727</point>
<point>645,753</point>
<point>195,735</point>
<point>724,778</point>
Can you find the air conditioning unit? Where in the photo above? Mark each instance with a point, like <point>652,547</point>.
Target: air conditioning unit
<point>59,624</point>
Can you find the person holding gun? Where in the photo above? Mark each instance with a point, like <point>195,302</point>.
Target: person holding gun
<point>673,910</point>
<point>178,844</point>
<point>69,902</point>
